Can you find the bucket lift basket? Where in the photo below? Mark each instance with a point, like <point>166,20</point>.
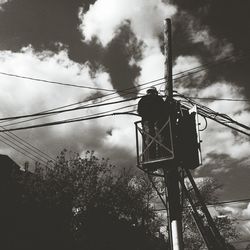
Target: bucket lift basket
<point>154,144</point>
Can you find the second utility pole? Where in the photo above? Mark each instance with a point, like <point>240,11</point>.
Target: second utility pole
<point>171,173</point>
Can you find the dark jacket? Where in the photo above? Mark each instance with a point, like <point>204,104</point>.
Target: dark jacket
<point>151,107</point>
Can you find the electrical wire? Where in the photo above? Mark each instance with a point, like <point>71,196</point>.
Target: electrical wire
<point>219,203</point>
<point>54,82</point>
<point>220,61</point>
<point>205,119</point>
<point>77,119</point>
<point>120,91</point>
<point>40,159</point>
<point>28,146</point>
<point>56,112</point>
<point>218,117</point>
<point>18,150</point>
<point>67,110</point>
<point>115,93</point>
<point>216,63</point>
<point>230,201</point>
<point>219,99</point>
<point>43,114</point>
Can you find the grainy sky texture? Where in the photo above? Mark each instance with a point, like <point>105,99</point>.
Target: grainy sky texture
<point>115,45</point>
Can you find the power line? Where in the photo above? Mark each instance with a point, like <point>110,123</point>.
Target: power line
<point>46,114</point>
<point>89,106</point>
<point>18,149</point>
<point>230,201</point>
<point>215,63</point>
<point>83,118</point>
<point>41,113</point>
<point>81,107</point>
<point>219,99</point>
<point>85,106</point>
<point>67,110</point>
<point>27,145</point>
<point>219,203</point>
<point>220,61</point>
<point>201,68</point>
<point>55,82</point>
<point>218,117</point>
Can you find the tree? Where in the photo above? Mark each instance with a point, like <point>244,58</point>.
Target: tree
<point>85,203</point>
<point>81,202</point>
<point>225,225</point>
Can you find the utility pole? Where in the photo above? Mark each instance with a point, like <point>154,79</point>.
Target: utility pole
<point>171,173</point>
<point>173,141</point>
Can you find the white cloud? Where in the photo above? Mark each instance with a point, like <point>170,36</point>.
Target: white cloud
<point>20,96</point>
<point>201,34</point>
<point>146,17</point>
<point>239,211</point>
<point>218,138</point>
<point>246,212</point>
<point>25,95</point>
<point>2,2</point>
<point>183,64</point>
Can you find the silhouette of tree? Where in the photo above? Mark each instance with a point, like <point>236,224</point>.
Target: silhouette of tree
<point>225,225</point>
<point>83,202</point>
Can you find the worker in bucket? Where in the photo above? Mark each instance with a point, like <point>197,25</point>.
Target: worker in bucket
<point>150,108</point>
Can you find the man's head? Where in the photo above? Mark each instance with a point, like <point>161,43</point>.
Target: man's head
<point>152,91</point>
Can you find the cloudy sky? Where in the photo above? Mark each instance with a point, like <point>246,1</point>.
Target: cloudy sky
<point>112,45</point>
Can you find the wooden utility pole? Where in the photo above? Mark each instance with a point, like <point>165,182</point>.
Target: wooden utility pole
<point>171,173</point>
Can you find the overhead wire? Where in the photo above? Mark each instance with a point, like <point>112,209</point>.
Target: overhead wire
<point>205,67</point>
<point>92,99</point>
<point>43,115</point>
<point>122,101</point>
<point>201,67</point>
<point>216,63</point>
<point>23,143</point>
<point>37,159</point>
<point>132,87</point>
<point>219,203</point>
<point>218,99</point>
<point>124,90</point>
<point>19,149</point>
<point>67,110</point>
<point>212,64</point>
<point>77,119</point>
<point>55,112</point>
<point>218,117</point>
<point>205,119</point>
<point>55,82</point>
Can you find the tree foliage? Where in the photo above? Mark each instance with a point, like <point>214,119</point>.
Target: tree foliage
<point>85,205</point>
<point>226,226</point>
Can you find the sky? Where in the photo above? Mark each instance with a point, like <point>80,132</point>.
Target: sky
<point>112,45</point>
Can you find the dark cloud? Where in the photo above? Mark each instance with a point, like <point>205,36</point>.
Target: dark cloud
<point>120,51</point>
<point>228,22</point>
<point>233,174</point>
<point>40,23</point>
<point>54,25</point>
